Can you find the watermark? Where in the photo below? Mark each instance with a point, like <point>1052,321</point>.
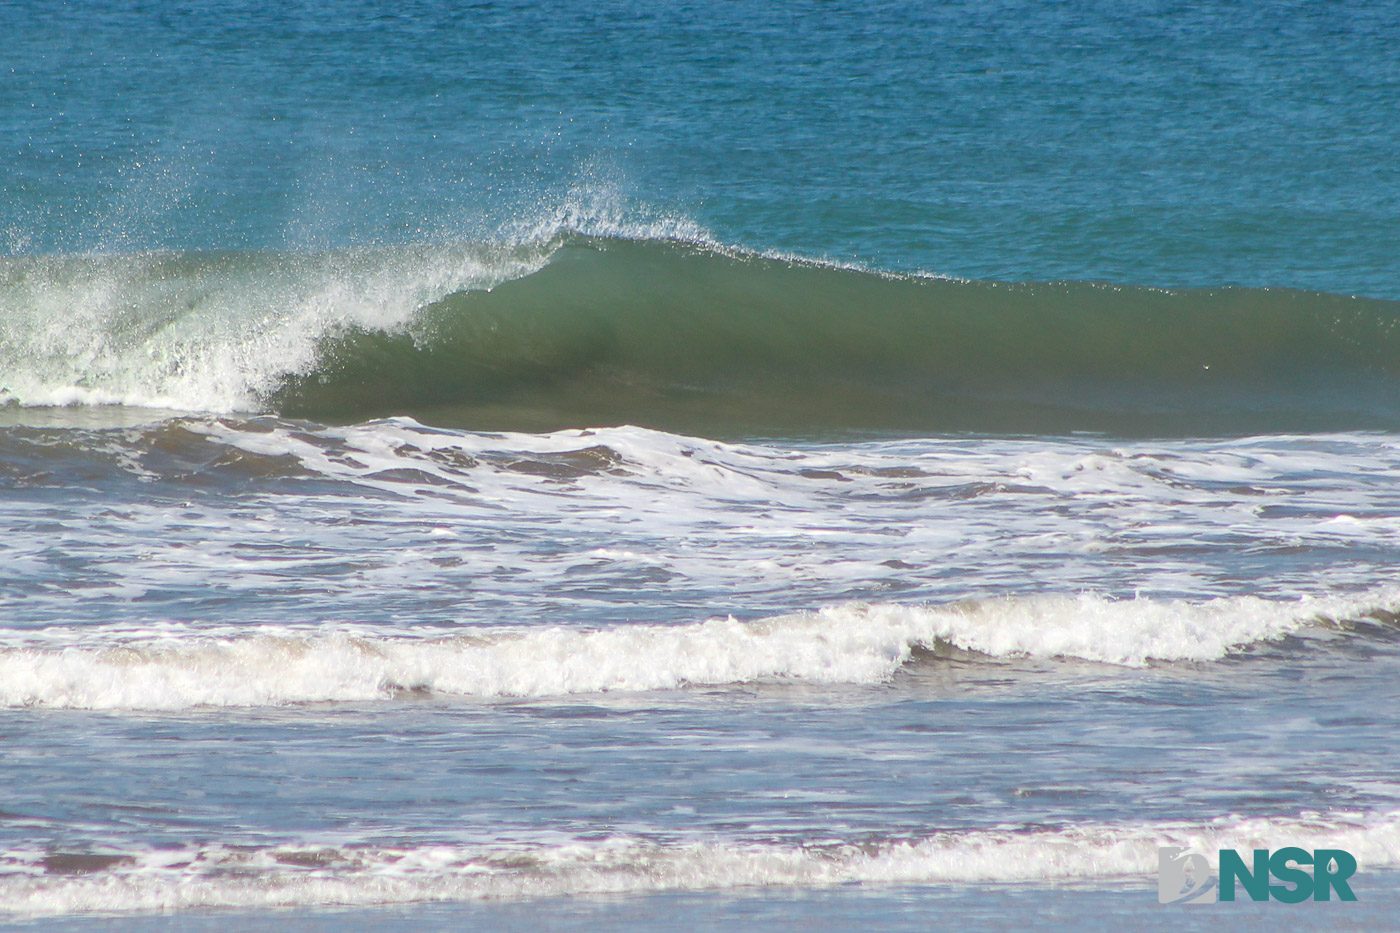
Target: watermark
<point>1185,877</point>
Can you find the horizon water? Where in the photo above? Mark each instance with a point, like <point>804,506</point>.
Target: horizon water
<point>772,466</point>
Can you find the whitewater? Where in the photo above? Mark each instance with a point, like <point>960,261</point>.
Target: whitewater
<point>915,655</point>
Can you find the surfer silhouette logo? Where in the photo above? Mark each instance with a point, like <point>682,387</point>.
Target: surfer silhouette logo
<point>1183,877</point>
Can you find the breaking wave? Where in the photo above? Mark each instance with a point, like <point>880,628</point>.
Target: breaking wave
<point>567,330</point>
<point>183,667</point>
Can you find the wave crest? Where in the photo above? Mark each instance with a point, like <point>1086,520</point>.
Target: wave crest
<point>853,644</point>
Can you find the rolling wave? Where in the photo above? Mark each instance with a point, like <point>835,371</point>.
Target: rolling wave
<point>586,331</point>
<point>853,644</point>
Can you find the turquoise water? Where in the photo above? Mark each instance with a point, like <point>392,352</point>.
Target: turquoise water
<point>779,466</point>
<point>1147,143</point>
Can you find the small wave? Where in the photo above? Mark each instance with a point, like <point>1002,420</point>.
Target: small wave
<point>851,644</point>
<point>38,883</point>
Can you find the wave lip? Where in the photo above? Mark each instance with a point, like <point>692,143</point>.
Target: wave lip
<point>851,644</point>
<point>35,883</point>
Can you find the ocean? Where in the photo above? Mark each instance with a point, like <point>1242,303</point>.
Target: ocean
<point>514,465</point>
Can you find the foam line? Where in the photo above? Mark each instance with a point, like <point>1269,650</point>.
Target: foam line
<point>851,644</point>
<point>36,883</point>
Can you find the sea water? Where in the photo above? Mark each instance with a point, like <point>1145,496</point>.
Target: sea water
<point>775,466</point>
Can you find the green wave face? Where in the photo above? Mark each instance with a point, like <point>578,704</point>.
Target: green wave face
<point>579,332</point>
<point>689,339</point>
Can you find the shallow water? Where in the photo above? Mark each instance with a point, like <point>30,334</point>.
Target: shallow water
<point>258,663</point>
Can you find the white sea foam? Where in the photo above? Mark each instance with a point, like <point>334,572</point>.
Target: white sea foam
<point>210,333</point>
<point>216,332</point>
<point>850,644</point>
<point>36,883</point>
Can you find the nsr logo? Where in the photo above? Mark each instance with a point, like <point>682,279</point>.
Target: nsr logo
<point>1184,877</point>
